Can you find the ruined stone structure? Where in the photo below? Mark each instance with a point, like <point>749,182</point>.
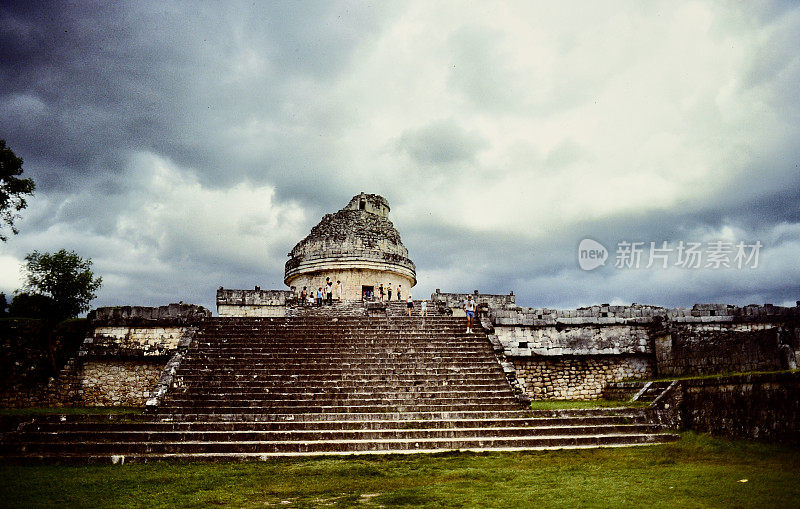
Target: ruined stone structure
<point>272,376</point>
<point>127,355</point>
<point>358,246</point>
<point>575,354</point>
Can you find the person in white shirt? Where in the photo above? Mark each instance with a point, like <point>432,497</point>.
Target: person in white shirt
<point>423,308</point>
<point>409,301</point>
<point>469,309</point>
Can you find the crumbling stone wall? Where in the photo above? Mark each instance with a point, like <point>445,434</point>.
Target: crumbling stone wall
<point>455,301</point>
<point>31,352</point>
<point>575,340</point>
<point>123,357</point>
<point>255,303</point>
<point>171,314</point>
<point>121,341</point>
<point>577,377</point>
<point>709,348</point>
<point>117,382</point>
<point>548,344</point>
<point>756,406</point>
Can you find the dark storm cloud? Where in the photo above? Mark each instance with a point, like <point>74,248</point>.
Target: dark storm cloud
<point>189,145</point>
<point>94,82</point>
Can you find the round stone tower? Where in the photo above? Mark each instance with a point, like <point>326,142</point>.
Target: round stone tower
<point>358,246</point>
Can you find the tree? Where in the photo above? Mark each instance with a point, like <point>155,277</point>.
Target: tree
<point>12,188</point>
<point>32,305</point>
<point>65,277</point>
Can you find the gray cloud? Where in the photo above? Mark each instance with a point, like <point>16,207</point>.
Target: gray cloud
<point>185,146</point>
<point>440,143</point>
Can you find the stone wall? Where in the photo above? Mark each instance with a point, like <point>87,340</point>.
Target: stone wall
<point>642,314</point>
<point>117,382</point>
<point>125,354</point>
<point>455,301</point>
<point>575,340</point>
<point>124,341</point>
<point>31,353</point>
<point>756,406</point>
<point>709,348</point>
<point>551,347</point>
<point>577,377</point>
<point>251,311</point>
<point>256,303</point>
<point>171,314</point>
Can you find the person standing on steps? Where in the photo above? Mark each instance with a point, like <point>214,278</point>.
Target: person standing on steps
<point>469,309</point>
<point>399,297</point>
<point>423,308</point>
<point>303,297</point>
<point>409,302</point>
<point>329,293</point>
<point>339,290</point>
<point>389,291</point>
<point>380,289</point>
<point>319,296</point>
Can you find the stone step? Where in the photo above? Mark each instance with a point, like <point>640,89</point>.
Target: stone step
<point>281,447</point>
<point>334,400</point>
<point>628,414</point>
<point>303,425</point>
<point>129,435</point>
<point>286,407</point>
<point>350,392</point>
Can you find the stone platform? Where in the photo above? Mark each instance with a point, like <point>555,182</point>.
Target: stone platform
<point>252,388</point>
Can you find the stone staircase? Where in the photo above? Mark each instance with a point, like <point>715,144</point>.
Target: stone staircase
<point>356,308</point>
<point>644,392</point>
<point>251,388</point>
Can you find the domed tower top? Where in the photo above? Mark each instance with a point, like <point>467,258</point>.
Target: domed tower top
<point>358,246</point>
<point>372,203</point>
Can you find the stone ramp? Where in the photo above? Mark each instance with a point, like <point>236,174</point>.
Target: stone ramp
<point>316,385</point>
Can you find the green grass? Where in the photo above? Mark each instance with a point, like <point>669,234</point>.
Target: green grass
<point>561,404</point>
<point>92,410</point>
<point>696,472</point>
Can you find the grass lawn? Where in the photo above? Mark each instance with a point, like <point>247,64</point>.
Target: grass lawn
<point>561,404</point>
<point>696,472</point>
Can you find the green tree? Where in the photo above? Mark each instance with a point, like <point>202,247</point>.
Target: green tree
<point>32,305</point>
<point>12,188</point>
<point>65,277</point>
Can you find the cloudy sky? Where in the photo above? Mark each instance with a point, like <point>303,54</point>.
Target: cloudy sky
<point>186,146</point>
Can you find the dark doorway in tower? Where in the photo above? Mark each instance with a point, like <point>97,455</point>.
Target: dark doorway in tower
<point>367,291</point>
<point>362,205</point>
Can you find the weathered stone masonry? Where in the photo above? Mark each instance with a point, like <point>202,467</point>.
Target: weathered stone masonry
<point>573,354</point>
<point>358,246</point>
<point>762,406</point>
<point>123,358</point>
